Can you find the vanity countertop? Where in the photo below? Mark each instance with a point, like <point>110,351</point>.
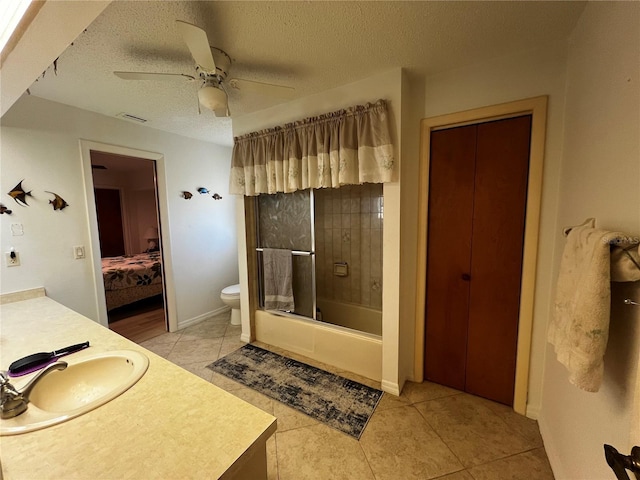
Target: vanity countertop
<point>170,424</point>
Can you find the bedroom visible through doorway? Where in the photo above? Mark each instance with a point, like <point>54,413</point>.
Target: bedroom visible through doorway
<point>131,254</point>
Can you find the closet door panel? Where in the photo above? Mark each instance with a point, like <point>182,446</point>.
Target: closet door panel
<point>448,254</point>
<point>502,164</point>
<point>110,230</point>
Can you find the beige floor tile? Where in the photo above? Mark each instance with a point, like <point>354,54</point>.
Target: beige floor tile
<point>462,475</point>
<point>188,351</point>
<point>254,398</point>
<point>320,453</point>
<point>526,427</point>
<point>200,369</point>
<point>233,330</point>
<point>203,330</point>
<point>399,443</point>
<point>230,344</point>
<point>532,465</point>
<point>472,430</point>
<point>392,401</point>
<point>165,338</point>
<point>224,383</point>
<point>161,349</point>
<point>420,392</point>
<point>289,418</point>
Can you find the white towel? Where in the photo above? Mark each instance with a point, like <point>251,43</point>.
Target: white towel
<point>625,263</point>
<point>580,327</point>
<point>278,275</point>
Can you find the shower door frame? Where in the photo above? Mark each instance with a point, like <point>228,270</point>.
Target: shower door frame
<point>303,253</point>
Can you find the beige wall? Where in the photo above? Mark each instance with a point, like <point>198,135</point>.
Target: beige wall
<point>534,73</point>
<point>600,178</point>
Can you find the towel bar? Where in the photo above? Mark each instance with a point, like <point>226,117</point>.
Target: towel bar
<point>301,253</point>
<point>628,301</point>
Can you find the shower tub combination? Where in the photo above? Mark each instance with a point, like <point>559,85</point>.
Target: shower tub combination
<point>335,236</point>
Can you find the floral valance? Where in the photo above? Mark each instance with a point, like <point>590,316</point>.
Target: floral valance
<point>347,147</point>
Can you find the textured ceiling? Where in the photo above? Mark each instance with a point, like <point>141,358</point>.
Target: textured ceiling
<point>311,46</point>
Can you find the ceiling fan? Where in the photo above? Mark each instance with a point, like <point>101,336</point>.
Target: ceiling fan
<point>212,68</point>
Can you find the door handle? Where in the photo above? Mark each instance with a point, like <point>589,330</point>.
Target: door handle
<point>466,277</point>
<point>619,463</point>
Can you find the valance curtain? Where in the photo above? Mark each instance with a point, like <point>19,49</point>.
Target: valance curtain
<point>346,147</point>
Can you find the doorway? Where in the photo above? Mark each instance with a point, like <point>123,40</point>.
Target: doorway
<point>477,198</point>
<point>537,108</point>
<point>126,200</point>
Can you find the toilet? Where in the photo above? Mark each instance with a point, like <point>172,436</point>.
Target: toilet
<point>231,297</point>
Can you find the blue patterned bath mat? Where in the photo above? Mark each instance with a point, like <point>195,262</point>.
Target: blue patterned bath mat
<point>333,400</point>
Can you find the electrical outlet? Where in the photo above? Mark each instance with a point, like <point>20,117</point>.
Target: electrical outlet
<point>13,259</point>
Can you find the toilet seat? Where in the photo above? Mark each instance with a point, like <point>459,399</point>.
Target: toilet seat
<point>231,291</point>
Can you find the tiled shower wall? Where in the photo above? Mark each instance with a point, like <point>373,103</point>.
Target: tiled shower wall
<point>348,228</point>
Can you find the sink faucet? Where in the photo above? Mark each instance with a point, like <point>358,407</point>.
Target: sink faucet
<point>13,402</point>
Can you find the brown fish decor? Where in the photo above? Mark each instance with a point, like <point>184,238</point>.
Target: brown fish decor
<point>19,195</point>
<point>215,196</point>
<point>4,209</point>
<point>58,202</point>
<point>187,195</point>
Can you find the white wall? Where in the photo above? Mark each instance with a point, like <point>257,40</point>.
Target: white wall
<point>533,73</point>
<point>40,142</point>
<point>601,179</point>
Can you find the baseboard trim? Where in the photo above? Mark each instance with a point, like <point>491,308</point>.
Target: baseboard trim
<point>390,387</point>
<point>533,412</point>
<point>549,446</point>
<point>192,321</point>
<point>245,337</point>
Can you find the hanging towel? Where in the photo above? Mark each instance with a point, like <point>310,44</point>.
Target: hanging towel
<point>278,275</point>
<point>580,327</point>
<point>625,263</point>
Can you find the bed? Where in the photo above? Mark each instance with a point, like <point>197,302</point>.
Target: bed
<point>130,278</point>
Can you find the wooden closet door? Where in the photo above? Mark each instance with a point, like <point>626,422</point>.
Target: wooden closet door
<point>109,214</point>
<point>502,165</point>
<point>449,247</point>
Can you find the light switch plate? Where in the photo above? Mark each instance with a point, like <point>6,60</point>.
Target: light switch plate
<point>78,252</point>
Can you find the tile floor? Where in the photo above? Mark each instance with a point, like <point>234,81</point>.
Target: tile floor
<point>430,431</point>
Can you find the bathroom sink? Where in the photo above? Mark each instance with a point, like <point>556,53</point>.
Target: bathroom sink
<point>83,386</point>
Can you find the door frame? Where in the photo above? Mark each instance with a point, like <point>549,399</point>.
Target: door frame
<point>537,108</point>
<point>163,208</point>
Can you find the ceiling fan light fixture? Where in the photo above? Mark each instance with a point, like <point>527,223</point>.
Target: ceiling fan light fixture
<point>214,98</point>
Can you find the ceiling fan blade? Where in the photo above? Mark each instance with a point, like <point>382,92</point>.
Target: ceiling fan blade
<point>153,76</point>
<point>198,44</point>
<point>262,88</point>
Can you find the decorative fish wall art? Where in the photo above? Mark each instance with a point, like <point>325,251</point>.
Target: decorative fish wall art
<point>19,195</point>
<point>215,196</point>
<point>203,191</point>
<point>4,209</point>
<point>187,195</point>
<point>58,202</point>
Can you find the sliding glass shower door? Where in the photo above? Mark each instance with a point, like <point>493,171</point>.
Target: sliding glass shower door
<point>335,236</point>
<point>284,221</point>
